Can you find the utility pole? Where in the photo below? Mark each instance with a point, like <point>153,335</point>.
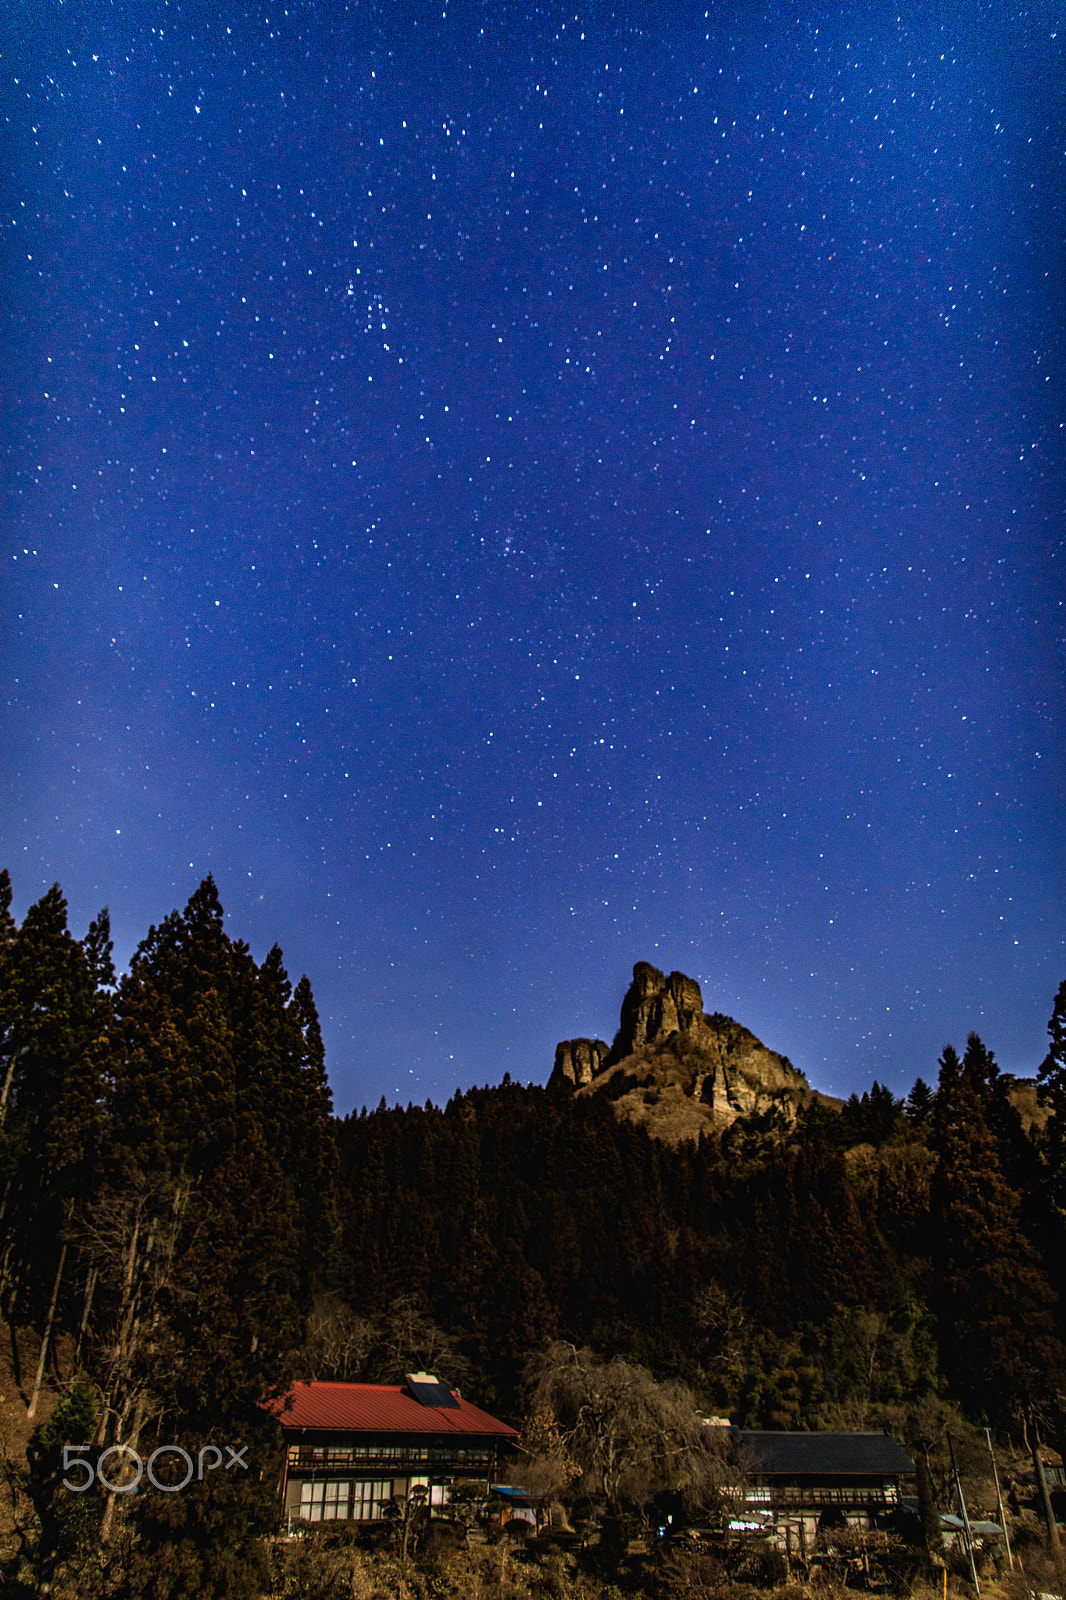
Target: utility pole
<point>965,1516</point>
<point>999,1500</point>
<point>1041,1483</point>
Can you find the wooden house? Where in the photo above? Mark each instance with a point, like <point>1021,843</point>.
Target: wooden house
<point>798,1484</point>
<point>351,1448</point>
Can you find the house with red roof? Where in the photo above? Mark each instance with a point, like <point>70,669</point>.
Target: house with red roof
<point>351,1448</point>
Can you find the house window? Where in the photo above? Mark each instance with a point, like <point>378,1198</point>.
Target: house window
<point>341,1500</point>
<point>326,1501</point>
<point>438,1492</point>
<point>370,1499</point>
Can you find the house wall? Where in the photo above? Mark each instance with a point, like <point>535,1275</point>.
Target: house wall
<point>334,1493</point>
<point>796,1533</point>
<point>329,1499</point>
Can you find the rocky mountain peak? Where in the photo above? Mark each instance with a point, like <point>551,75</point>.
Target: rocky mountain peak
<point>656,1007</point>
<point>677,1069</point>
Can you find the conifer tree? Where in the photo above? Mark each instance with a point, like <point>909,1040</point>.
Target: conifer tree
<point>55,1055</point>
<point>1052,1080</point>
<point>919,1107</point>
<point>62,1527</point>
<point>216,1203</point>
<point>173,1105</point>
<point>998,1339</point>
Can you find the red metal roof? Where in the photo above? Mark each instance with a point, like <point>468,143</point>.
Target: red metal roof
<point>379,1408</point>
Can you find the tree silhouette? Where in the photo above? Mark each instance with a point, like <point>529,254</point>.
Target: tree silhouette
<point>1052,1091</point>
<point>998,1338</point>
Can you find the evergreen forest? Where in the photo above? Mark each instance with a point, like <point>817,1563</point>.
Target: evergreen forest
<point>185,1227</point>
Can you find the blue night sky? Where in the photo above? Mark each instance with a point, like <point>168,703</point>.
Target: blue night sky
<point>515,490</point>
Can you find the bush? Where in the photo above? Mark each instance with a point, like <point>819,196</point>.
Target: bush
<point>689,1568</point>
<point>762,1566</point>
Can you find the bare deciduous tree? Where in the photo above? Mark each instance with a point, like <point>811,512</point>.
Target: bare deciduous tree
<point>339,1342</point>
<point>410,1341</point>
<point>720,1317</point>
<point>128,1242</point>
<point>547,1470</point>
<point>632,1437</point>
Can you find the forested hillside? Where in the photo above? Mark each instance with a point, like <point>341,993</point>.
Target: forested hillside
<point>185,1227</point>
<point>797,1276</point>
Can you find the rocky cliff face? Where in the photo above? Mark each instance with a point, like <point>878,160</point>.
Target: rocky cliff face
<point>656,1007</point>
<point>677,1069</point>
<point>578,1061</point>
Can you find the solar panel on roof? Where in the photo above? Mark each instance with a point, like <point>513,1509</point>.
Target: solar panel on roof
<point>429,1391</point>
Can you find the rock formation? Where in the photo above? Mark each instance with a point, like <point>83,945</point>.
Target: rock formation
<point>578,1061</point>
<point>677,1069</point>
<point>656,1007</point>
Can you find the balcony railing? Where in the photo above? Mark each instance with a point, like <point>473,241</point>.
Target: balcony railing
<point>846,1494</point>
<point>327,1460</point>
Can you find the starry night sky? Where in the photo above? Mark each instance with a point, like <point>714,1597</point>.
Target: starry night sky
<point>512,491</point>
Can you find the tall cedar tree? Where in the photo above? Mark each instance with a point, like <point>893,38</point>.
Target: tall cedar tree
<point>54,1056</point>
<point>1052,1091</point>
<point>220,1112</point>
<point>997,1326</point>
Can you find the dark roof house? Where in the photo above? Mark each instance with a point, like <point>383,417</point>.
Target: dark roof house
<point>351,1448</point>
<point>803,1482</point>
